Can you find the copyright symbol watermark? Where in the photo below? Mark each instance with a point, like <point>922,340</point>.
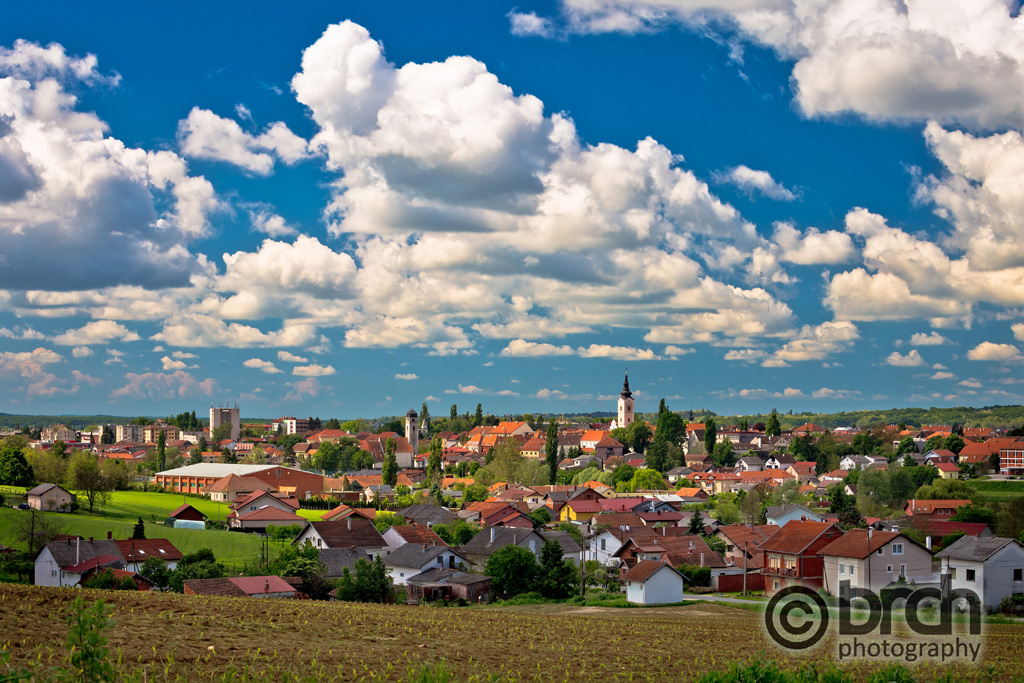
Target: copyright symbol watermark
<point>796,618</point>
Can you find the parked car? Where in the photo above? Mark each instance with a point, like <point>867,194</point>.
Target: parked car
<point>23,506</point>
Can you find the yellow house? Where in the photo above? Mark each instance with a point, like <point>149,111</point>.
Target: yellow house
<point>948,470</point>
<point>579,511</point>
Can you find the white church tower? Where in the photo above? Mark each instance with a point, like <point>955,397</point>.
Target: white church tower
<point>412,431</point>
<point>625,417</point>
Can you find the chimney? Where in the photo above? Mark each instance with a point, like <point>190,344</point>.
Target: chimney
<point>702,559</point>
<point>91,539</point>
<point>928,542</point>
<point>110,535</point>
<point>803,518</point>
<point>78,549</point>
<point>870,532</point>
<point>492,534</point>
<point>349,520</point>
<point>266,585</point>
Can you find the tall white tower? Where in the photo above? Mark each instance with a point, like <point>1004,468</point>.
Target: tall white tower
<point>625,405</point>
<point>412,431</point>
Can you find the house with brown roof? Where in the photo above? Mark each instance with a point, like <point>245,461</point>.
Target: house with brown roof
<point>399,535</point>
<point>867,560</point>
<point>803,471</point>
<point>242,587</point>
<point>809,429</point>
<point>676,550</point>
<point>652,582</point>
<point>62,563</point>
<point>791,556</point>
<point>351,532</point>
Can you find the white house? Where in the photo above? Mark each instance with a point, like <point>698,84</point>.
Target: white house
<point>351,532</point>
<point>871,560</point>
<point>414,558</point>
<point>397,536</point>
<point>653,583</point>
<point>62,563</point>
<point>991,567</point>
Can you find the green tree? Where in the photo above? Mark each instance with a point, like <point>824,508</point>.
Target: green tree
<point>86,477</point>
<point>513,570</point>
<point>195,457</point>
<point>478,418</point>
<point>455,533</point>
<point>646,479</point>
<point>946,489</point>
<point>974,513</point>
<point>623,472</point>
<point>59,449</point>
<point>656,457</point>
<point>950,539</point>
<point>434,462</point>
<point>454,412</point>
<point>551,450</point>
<point>139,531</point>
<point>710,435</point>
<point>934,443</point>
<point>14,469</point>
<point>161,449</point>
<point>156,571</point>
<point>541,517</point>
<point>773,428</point>
<point>844,506</point>
<point>389,473</point>
<point>369,582</point>
<point>954,443</point>
<point>696,527</point>
<point>304,562</point>
<point>105,580</point>
<point>384,520</point>
<point>638,436</point>
<point>724,454</point>
<point>198,565</point>
<point>671,428</point>
<point>556,576</point>
<point>906,445</point>
<point>106,435</point>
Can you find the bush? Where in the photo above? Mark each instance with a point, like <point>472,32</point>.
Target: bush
<point>695,575</point>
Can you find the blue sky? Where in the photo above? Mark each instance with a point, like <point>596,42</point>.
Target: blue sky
<point>351,208</point>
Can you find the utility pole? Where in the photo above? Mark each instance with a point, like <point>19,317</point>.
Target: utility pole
<point>745,568</point>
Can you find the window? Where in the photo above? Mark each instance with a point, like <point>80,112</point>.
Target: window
<point>1018,574</point>
<point>970,575</point>
<point>888,568</point>
<point>851,570</point>
<point>881,551</point>
<point>775,585</point>
<point>603,544</point>
<point>952,573</point>
<point>842,569</point>
<point>903,570</point>
<point>897,548</point>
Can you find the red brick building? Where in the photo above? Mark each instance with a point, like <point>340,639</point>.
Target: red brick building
<point>791,555</point>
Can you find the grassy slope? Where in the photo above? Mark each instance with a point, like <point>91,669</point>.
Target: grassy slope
<point>998,491</point>
<point>230,547</point>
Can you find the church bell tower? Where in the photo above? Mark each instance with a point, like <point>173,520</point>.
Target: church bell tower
<point>625,405</point>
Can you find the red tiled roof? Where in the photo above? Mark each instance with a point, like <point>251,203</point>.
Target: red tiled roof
<point>585,506</point>
<point>796,535</point>
<point>928,507</point>
<point>418,533</point>
<point>856,543</point>
<point>644,570</point>
<point>269,514</point>
<point>252,585</point>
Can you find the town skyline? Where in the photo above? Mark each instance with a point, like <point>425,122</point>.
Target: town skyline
<point>342,213</point>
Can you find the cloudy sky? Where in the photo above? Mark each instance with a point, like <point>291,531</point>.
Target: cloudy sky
<point>350,209</point>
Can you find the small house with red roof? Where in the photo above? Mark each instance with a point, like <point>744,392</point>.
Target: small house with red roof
<point>791,555</point>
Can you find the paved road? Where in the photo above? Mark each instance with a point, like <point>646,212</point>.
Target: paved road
<point>711,597</point>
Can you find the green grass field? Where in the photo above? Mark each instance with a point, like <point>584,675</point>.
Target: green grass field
<point>998,491</point>
<point>311,515</point>
<point>230,547</point>
<point>156,505</point>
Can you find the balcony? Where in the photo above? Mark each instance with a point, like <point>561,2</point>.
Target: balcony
<point>781,571</point>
